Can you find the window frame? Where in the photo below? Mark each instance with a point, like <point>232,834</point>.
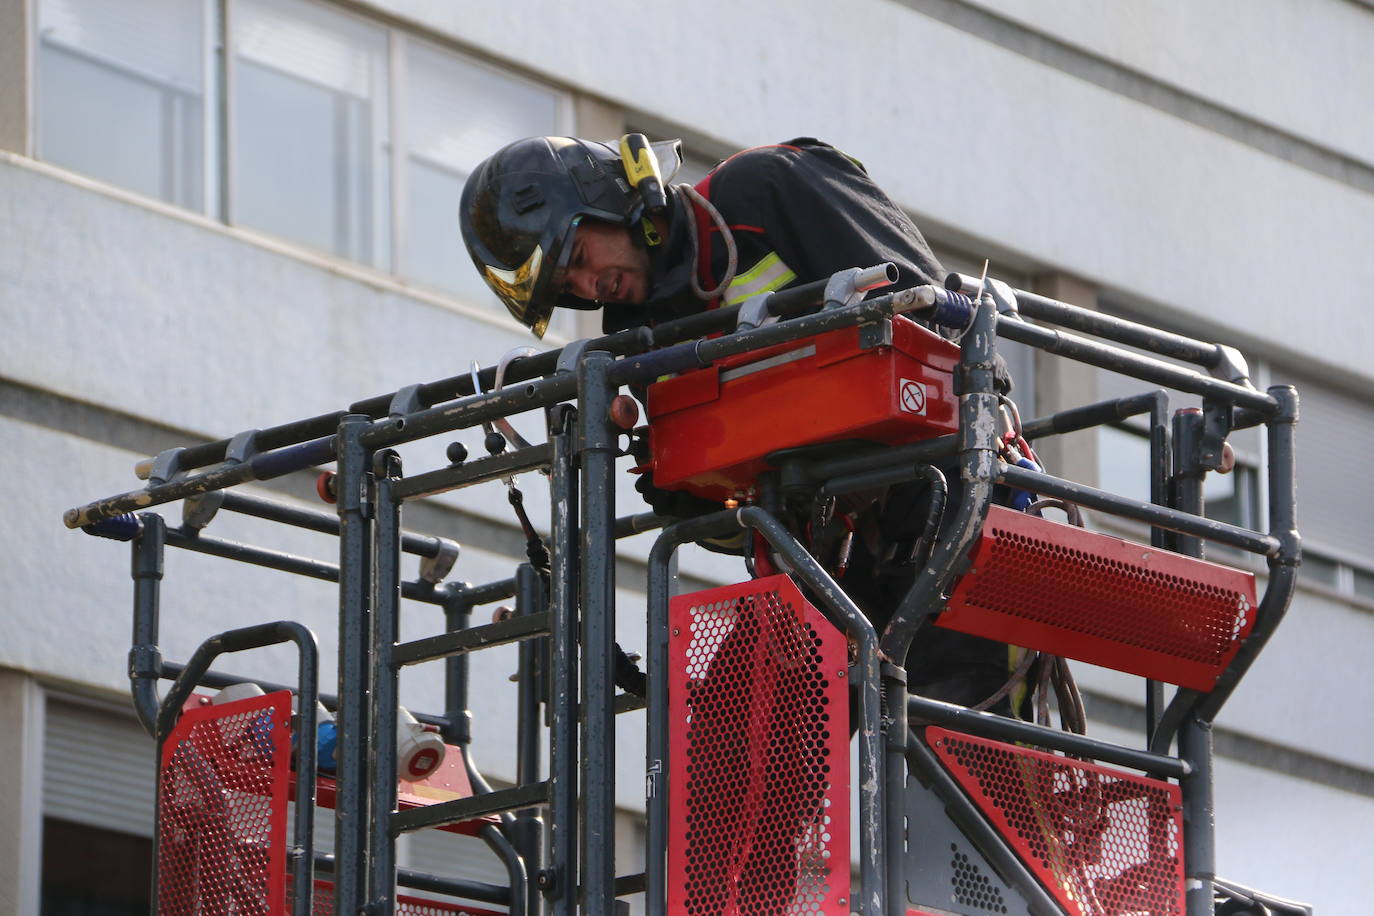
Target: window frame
<point>210,98</point>
<point>219,167</point>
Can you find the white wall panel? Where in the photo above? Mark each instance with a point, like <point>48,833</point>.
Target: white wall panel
<point>169,317</point>
<point>1302,65</point>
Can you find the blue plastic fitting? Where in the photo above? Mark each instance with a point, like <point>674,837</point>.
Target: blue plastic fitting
<point>124,527</point>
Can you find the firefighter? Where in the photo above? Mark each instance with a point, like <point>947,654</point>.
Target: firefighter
<point>557,221</point>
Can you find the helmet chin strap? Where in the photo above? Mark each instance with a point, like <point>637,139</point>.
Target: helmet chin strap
<point>731,252</point>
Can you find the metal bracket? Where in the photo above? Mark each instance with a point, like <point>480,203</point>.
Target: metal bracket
<point>434,569</point>
<point>571,355</point>
<point>877,334</point>
<point>198,511</point>
<point>846,287</point>
<point>1216,426</point>
<point>405,401</point>
<point>1231,366</point>
<point>843,289</point>
<point>242,447</point>
<point>754,312</point>
<point>166,466</point>
<point>145,661</point>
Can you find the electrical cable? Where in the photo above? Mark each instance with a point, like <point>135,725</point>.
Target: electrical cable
<point>731,251</point>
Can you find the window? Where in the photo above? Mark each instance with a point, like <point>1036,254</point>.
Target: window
<point>1123,463</point>
<point>342,135</point>
<point>1234,497</point>
<point>1363,584</point>
<point>457,114</point>
<point>1123,467</point>
<point>309,127</point>
<point>89,870</point>
<point>121,94</point>
<point>98,788</point>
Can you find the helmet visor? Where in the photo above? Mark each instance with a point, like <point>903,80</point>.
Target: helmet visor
<point>531,291</point>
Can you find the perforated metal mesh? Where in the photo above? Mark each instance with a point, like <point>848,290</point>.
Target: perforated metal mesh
<point>222,809</point>
<point>1103,600</point>
<point>971,887</point>
<point>759,782</point>
<point>1106,843</point>
<point>322,904</point>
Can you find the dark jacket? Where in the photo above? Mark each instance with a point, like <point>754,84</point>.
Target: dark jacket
<point>798,212</point>
<point>803,202</point>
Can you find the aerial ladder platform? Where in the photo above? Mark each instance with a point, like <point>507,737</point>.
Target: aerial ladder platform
<point>789,769</point>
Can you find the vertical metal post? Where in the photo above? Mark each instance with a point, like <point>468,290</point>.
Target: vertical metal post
<point>307,725</point>
<point>1161,469</point>
<point>145,659</point>
<point>896,738</point>
<point>597,454</point>
<point>353,485</point>
<point>1283,513</point>
<point>561,877</point>
<point>529,826</point>
<point>1194,736</point>
<point>656,741</point>
<point>457,727</point>
<point>386,685</point>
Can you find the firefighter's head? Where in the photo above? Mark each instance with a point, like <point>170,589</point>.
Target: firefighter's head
<point>551,221</point>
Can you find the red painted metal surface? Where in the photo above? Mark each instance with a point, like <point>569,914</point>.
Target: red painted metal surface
<point>709,430</point>
<point>759,754</point>
<point>1099,599</point>
<point>1103,841</point>
<point>323,905</point>
<point>222,809</point>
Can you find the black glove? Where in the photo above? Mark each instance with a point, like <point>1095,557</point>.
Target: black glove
<point>674,503</point>
<point>1001,376</point>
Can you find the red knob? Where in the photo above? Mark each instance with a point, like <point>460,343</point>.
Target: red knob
<point>624,412</point>
<point>324,485</point>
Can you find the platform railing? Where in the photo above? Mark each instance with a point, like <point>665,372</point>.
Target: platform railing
<point>571,609</point>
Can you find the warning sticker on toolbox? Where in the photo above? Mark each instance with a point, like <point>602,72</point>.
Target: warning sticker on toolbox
<point>912,395</point>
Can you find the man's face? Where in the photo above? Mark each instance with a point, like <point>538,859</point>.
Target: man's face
<point>606,265</point>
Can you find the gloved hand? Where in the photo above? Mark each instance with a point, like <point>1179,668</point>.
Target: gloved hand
<point>680,504</point>
<point>674,503</point>
<point>1001,376</point>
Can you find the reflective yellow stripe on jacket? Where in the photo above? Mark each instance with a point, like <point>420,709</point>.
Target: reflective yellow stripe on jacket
<point>769,274</point>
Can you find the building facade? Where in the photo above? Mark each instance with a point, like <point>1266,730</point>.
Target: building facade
<point>220,215</point>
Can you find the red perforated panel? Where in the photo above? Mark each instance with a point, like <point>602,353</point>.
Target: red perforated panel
<point>1105,842</point>
<point>1100,599</point>
<point>323,905</point>
<point>759,760</point>
<point>222,809</point>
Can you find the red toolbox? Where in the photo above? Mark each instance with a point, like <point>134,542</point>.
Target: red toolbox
<point>710,430</point>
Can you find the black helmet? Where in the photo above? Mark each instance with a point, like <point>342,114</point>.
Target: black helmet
<point>521,207</point>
